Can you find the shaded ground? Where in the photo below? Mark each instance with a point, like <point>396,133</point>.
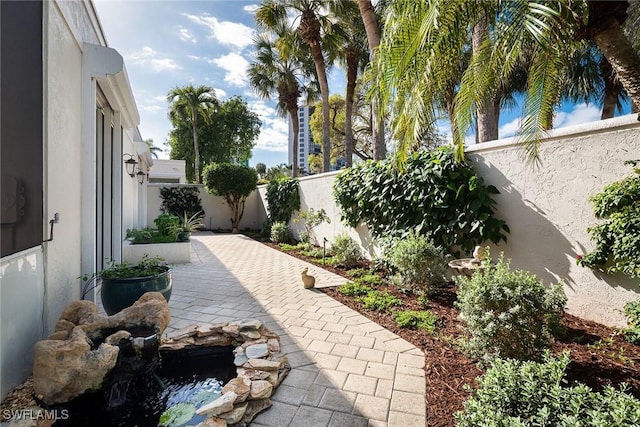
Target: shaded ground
<point>599,354</point>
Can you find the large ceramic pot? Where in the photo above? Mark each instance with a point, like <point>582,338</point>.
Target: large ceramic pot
<point>120,293</point>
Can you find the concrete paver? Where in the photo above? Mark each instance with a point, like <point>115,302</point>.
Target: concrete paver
<point>346,369</point>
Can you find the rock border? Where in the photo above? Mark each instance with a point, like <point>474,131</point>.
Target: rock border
<point>260,367</point>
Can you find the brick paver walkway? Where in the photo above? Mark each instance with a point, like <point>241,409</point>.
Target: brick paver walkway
<point>346,369</point>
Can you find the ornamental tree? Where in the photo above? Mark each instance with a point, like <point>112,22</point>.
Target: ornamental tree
<point>234,183</point>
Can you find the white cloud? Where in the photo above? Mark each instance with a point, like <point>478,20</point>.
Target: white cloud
<point>250,8</point>
<point>509,129</point>
<point>581,113</point>
<point>147,57</point>
<point>274,133</point>
<point>185,35</point>
<point>235,66</point>
<point>228,33</point>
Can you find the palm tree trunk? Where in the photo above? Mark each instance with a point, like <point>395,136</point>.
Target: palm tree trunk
<point>352,74</point>
<point>487,123</point>
<point>373,38</point>
<point>293,115</point>
<point>196,150</point>
<point>615,46</point>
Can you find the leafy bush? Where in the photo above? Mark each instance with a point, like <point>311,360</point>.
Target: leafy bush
<point>314,252</point>
<point>234,183</point>
<point>356,272</point>
<point>442,199</point>
<point>417,319</point>
<point>346,251</point>
<point>167,224</point>
<point>419,264</point>
<point>181,200</point>
<point>280,232</point>
<point>508,313</point>
<point>515,393</point>
<point>282,199</point>
<point>354,289</point>
<point>311,219</point>
<point>287,247</point>
<point>632,312</point>
<point>381,301</point>
<point>618,237</point>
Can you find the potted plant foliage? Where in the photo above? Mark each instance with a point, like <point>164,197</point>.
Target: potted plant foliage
<point>123,284</point>
<point>188,224</point>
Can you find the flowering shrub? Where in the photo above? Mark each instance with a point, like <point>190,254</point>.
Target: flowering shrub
<point>280,232</point>
<point>508,313</point>
<point>346,251</point>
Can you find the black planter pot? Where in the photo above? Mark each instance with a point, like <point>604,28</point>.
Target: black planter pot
<point>117,294</point>
<point>183,236</point>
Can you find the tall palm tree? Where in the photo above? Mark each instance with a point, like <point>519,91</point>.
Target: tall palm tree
<point>152,148</point>
<point>351,50</point>
<point>281,67</point>
<point>188,103</point>
<point>312,23</point>
<point>372,29</point>
<point>418,35</point>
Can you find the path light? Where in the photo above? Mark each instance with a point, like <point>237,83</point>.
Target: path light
<point>130,165</point>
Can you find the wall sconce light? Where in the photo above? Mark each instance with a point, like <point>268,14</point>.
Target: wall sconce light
<point>140,175</point>
<point>130,165</point>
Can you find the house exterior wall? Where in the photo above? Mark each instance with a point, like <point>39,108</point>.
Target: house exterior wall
<point>547,208</point>
<point>216,212</point>
<point>37,284</point>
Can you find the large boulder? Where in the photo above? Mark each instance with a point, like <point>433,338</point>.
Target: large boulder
<point>65,369</point>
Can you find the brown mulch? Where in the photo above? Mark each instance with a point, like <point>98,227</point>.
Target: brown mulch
<point>599,354</point>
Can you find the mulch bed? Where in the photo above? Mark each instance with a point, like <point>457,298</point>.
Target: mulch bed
<point>599,354</point>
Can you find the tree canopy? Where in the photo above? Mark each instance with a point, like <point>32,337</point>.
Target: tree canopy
<point>226,135</point>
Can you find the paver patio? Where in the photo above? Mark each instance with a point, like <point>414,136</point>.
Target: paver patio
<point>346,369</point>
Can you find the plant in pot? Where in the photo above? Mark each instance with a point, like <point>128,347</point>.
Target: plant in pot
<point>188,224</point>
<point>123,284</point>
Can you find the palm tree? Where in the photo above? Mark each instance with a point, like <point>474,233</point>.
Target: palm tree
<point>419,35</point>
<point>189,103</point>
<point>152,148</point>
<point>281,67</point>
<point>372,29</point>
<point>351,50</point>
<point>312,21</point>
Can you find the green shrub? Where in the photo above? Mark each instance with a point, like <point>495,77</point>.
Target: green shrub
<point>181,200</point>
<point>435,195</point>
<point>346,251</point>
<point>354,289</point>
<point>167,224</point>
<point>508,313</point>
<point>311,219</point>
<point>632,312</point>
<point>381,301</point>
<point>419,264</point>
<point>417,319</point>
<point>282,199</point>
<point>280,232</point>
<point>618,237</point>
<point>233,183</point>
<point>356,272</point>
<point>516,393</point>
<point>370,279</point>
<point>287,247</point>
<point>314,253</point>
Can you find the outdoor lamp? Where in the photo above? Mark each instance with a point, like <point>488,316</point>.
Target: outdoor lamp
<point>130,165</point>
<point>140,175</point>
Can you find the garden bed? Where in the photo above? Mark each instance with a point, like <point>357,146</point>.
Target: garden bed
<point>599,354</point>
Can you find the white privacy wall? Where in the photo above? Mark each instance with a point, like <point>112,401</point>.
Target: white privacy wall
<point>548,208</point>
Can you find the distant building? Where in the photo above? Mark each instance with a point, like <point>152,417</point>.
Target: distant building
<point>306,145</point>
<point>168,171</point>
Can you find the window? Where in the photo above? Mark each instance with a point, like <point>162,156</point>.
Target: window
<point>21,132</point>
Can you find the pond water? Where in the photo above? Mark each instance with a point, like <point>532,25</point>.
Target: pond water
<point>185,380</point>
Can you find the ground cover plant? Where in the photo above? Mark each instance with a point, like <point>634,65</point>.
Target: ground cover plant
<point>600,356</point>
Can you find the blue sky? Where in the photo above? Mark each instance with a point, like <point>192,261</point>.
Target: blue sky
<point>175,43</point>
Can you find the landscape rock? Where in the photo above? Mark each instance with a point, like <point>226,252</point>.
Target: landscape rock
<point>256,351</point>
<point>260,389</point>
<point>241,386</point>
<point>221,405</point>
<point>273,345</point>
<point>118,337</point>
<point>234,416</point>
<point>253,409</point>
<point>213,422</point>
<point>264,365</point>
<point>251,325</point>
<point>250,335</point>
<point>63,370</point>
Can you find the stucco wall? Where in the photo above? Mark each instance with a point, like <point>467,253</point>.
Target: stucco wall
<point>547,208</point>
<point>216,212</point>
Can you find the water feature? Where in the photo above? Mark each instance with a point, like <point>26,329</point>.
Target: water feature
<point>168,395</point>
